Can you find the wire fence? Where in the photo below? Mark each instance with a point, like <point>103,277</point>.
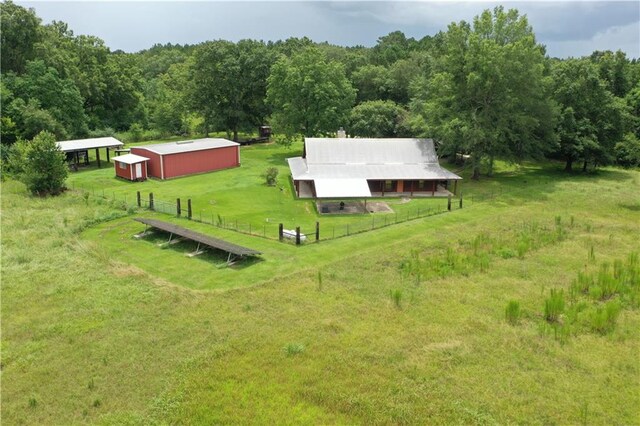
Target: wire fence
<point>310,231</point>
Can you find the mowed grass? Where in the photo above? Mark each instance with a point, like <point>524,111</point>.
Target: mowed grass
<point>358,330</point>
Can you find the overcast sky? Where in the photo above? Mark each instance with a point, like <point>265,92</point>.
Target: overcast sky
<point>568,28</point>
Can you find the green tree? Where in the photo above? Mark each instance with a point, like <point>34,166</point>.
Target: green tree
<point>391,48</point>
<point>309,94</point>
<point>372,82</point>
<point>378,119</point>
<point>591,118</point>
<point>628,151</point>
<point>229,83</point>
<point>39,164</point>
<point>18,36</point>
<point>488,92</point>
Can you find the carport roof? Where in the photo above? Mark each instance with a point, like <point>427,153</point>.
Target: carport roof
<point>85,144</point>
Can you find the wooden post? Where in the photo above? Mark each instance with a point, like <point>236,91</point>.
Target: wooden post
<point>449,203</point>
<point>138,198</point>
<point>434,184</point>
<point>280,231</point>
<point>189,211</point>
<point>151,201</point>
<point>317,231</point>
<point>460,199</point>
<point>297,235</point>
<point>107,154</point>
<point>178,209</point>
<point>98,156</point>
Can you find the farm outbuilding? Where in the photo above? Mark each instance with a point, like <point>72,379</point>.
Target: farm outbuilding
<point>182,158</point>
<point>77,150</point>
<point>131,166</point>
<point>361,168</point>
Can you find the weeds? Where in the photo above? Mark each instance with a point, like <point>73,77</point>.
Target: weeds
<point>512,312</point>
<point>320,281</point>
<point>292,349</point>
<point>603,318</point>
<point>554,305</point>
<point>396,297</point>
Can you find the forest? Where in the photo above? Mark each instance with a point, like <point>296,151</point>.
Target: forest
<point>484,89</point>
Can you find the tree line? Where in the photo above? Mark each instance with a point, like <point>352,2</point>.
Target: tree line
<point>485,89</point>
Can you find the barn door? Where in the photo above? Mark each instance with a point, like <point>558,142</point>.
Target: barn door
<point>138,171</point>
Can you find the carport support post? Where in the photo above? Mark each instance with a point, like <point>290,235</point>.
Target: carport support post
<point>107,154</point>
<point>178,209</point>
<point>317,231</point>
<point>460,198</point>
<point>297,235</point>
<point>151,201</point>
<point>98,156</point>
<point>449,203</point>
<point>280,231</point>
<point>138,199</point>
<point>189,208</point>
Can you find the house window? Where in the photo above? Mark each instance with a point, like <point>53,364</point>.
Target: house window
<point>123,166</point>
<point>388,185</point>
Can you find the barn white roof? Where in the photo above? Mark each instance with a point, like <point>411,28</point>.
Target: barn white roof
<point>130,159</point>
<point>372,159</point>
<point>91,143</point>
<point>188,145</point>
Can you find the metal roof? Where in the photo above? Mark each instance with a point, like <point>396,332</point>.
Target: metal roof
<point>84,144</point>
<point>341,188</point>
<point>369,151</point>
<point>372,159</point>
<point>188,146</point>
<point>130,159</point>
<point>198,237</point>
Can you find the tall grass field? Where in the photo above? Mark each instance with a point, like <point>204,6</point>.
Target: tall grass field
<point>522,307</point>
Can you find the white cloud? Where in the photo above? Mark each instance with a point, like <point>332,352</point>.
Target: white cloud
<point>625,38</point>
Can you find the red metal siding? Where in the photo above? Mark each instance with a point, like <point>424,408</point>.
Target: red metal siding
<point>123,173</point>
<point>153,164</point>
<point>186,163</point>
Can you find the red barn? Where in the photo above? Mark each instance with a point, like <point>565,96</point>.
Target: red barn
<point>131,166</point>
<point>173,159</point>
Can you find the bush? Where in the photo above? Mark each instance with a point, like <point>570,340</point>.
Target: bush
<point>271,176</point>
<point>512,312</point>
<point>39,164</point>
<point>554,305</point>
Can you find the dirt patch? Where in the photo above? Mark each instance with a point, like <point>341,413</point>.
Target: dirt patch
<point>352,207</point>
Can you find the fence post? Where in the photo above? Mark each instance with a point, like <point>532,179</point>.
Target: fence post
<point>151,201</point>
<point>189,211</point>
<point>138,199</point>
<point>178,209</point>
<point>449,203</point>
<point>297,235</point>
<point>461,199</point>
<point>280,232</point>
<point>317,231</point>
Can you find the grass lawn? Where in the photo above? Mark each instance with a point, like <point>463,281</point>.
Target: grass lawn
<point>241,197</point>
<point>405,324</point>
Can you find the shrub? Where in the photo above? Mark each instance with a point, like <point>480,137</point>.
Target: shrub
<point>293,349</point>
<point>39,164</point>
<point>603,319</point>
<point>512,312</point>
<point>554,305</point>
<point>396,296</point>
<point>271,176</point>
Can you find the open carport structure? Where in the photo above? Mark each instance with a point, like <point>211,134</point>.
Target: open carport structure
<point>73,148</point>
<point>201,239</point>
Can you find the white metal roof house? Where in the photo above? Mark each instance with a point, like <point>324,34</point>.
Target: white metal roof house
<point>359,168</point>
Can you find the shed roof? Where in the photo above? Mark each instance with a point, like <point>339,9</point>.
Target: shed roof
<point>91,143</point>
<point>130,159</point>
<point>188,146</point>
